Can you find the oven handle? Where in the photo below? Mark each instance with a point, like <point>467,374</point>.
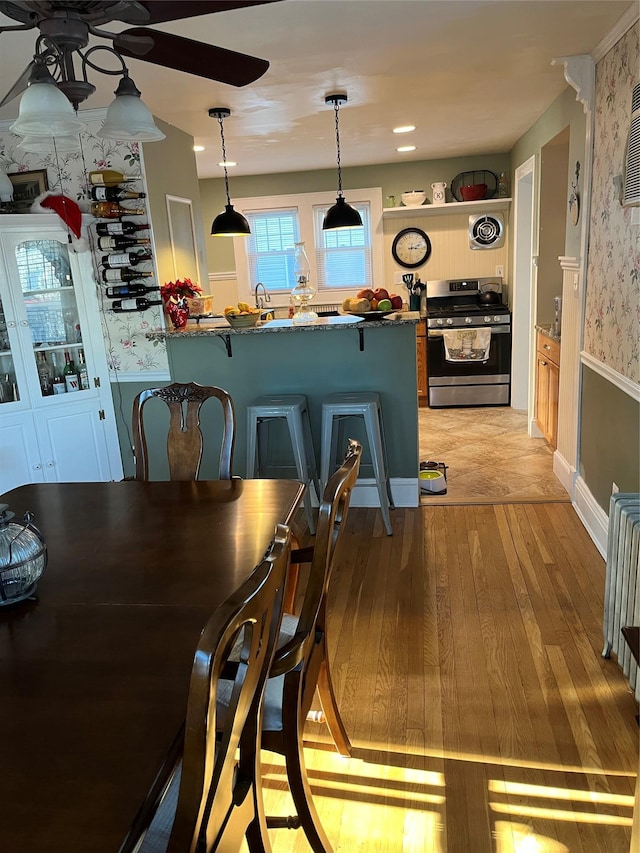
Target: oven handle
<point>495,330</point>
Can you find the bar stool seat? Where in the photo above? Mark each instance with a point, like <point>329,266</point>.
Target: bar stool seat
<point>364,404</point>
<point>294,409</point>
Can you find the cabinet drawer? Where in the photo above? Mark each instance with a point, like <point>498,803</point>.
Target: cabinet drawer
<point>548,348</point>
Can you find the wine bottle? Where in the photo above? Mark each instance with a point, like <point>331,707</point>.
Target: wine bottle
<point>131,289</point>
<point>70,375</point>
<point>44,375</point>
<point>124,259</point>
<point>57,383</point>
<point>114,193</point>
<point>115,229</point>
<point>83,373</point>
<point>109,177</point>
<point>113,210</point>
<point>109,243</point>
<point>140,303</point>
<point>124,274</point>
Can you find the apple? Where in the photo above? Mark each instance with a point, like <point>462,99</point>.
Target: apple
<point>396,301</point>
<point>385,305</point>
<point>374,304</point>
<point>381,293</point>
<point>366,293</point>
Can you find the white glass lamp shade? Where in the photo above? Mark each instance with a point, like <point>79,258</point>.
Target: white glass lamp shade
<point>128,117</point>
<point>6,187</point>
<point>45,111</point>
<point>46,145</point>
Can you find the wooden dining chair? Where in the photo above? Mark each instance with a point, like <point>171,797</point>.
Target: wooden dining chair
<point>300,663</point>
<point>185,443</point>
<point>203,798</point>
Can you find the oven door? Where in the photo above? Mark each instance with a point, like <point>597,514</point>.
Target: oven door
<point>470,383</point>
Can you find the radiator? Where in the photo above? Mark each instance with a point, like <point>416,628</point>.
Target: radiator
<point>622,583</point>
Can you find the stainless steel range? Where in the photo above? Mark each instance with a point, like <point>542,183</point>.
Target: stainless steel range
<point>468,343</point>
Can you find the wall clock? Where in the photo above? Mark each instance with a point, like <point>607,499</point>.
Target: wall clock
<point>411,248</point>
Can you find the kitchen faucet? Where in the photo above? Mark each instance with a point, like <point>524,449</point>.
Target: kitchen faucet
<point>259,299</point>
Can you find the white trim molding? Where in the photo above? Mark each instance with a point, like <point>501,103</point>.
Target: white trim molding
<point>624,23</point>
<point>580,72</point>
<point>222,276</point>
<point>117,376</point>
<point>594,518</point>
<point>405,492</point>
<point>622,382</point>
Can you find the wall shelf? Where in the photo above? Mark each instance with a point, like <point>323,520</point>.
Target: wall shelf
<point>453,207</point>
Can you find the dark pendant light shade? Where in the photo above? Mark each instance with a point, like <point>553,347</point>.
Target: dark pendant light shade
<point>341,215</point>
<point>229,223</point>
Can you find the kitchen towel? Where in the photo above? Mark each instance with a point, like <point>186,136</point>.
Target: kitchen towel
<point>467,344</point>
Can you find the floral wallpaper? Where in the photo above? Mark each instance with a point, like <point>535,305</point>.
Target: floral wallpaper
<point>612,321</point>
<point>129,353</point>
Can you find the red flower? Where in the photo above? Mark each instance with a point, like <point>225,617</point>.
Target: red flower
<point>179,289</point>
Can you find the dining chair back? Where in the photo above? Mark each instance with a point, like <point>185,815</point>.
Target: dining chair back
<point>205,798</point>
<point>185,443</point>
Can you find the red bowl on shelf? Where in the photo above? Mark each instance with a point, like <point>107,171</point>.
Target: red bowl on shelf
<point>473,192</point>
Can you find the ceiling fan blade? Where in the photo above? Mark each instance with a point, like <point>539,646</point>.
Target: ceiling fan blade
<point>160,10</point>
<point>195,57</point>
<point>19,86</point>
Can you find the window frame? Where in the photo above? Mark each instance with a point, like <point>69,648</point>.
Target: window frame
<point>304,203</point>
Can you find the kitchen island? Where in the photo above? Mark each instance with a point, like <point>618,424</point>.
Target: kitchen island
<point>342,353</point>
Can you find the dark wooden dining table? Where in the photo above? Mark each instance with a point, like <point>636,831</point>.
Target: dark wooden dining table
<point>94,672</point>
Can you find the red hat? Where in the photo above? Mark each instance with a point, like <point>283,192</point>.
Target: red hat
<point>67,210</point>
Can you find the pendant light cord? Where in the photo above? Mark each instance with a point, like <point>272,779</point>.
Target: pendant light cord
<point>224,160</point>
<point>336,107</point>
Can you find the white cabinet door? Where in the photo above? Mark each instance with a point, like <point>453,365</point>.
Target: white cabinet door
<point>20,460</point>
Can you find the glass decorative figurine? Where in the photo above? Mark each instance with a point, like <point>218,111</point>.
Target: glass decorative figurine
<point>303,292</point>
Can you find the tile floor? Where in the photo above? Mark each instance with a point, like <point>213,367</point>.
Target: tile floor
<point>489,455</point>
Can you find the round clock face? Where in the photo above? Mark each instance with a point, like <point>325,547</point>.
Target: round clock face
<point>411,248</point>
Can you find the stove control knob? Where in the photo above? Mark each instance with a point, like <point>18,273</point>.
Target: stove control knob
<point>496,319</point>
<point>468,320</point>
<point>488,319</point>
<point>439,322</point>
<point>449,321</point>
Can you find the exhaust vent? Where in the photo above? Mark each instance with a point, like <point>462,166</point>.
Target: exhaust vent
<point>631,188</point>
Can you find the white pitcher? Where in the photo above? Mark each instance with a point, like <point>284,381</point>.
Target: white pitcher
<point>438,192</point>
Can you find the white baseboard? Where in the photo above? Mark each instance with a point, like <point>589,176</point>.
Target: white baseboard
<point>564,472</point>
<point>405,491</point>
<point>594,518</point>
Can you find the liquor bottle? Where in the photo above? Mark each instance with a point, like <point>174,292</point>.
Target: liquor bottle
<point>70,375</point>
<point>131,289</point>
<point>109,177</point>
<point>115,229</point>
<point>140,303</point>
<point>124,274</point>
<point>83,373</point>
<point>109,243</point>
<point>57,383</point>
<point>113,210</point>
<point>114,193</point>
<point>503,187</point>
<point>125,259</point>
<point>44,375</point>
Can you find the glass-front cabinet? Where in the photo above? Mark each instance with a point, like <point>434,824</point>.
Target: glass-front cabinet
<point>56,413</point>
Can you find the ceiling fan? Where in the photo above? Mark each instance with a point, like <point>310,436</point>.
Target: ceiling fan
<point>65,28</point>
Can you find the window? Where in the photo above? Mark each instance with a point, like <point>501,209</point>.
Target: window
<point>342,261</point>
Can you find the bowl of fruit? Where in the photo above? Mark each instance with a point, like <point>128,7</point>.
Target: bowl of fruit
<point>372,304</point>
<point>241,316</point>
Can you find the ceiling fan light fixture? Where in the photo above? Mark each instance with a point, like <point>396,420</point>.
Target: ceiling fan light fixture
<point>44,145</point>
<point>341,215</point>
<point>44,110</point>
<point>229,223</point>
<point>128,117</point>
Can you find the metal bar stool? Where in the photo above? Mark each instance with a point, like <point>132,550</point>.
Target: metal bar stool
<point>294,409</point>
<point>365,405</point>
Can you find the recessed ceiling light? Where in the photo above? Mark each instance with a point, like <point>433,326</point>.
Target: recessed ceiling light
<point>228,164</point>
<point>407,128</point>
<point>404,148</point>
<point>198,147</point>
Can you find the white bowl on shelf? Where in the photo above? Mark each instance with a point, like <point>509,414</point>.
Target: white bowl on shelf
<point>414,198</point>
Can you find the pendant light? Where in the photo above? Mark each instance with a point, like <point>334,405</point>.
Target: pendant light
<point>229,223</point>
<point>341,215</point>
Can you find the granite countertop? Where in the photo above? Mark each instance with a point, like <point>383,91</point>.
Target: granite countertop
<point>549,331</point>
<point>219,326</point>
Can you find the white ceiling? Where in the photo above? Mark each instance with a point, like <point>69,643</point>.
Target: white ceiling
<point>471,75</point>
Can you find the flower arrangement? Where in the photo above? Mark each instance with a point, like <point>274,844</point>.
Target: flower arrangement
<point>179,289</point>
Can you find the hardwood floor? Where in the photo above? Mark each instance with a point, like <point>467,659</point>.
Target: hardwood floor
<point>489,456</point>
<point>465,654</point>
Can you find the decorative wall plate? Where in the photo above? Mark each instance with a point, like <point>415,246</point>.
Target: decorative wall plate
<point>574,208</point>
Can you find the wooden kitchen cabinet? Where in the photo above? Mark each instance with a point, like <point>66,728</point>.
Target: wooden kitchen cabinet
<point>547,386</point>
<point>421,358</point>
